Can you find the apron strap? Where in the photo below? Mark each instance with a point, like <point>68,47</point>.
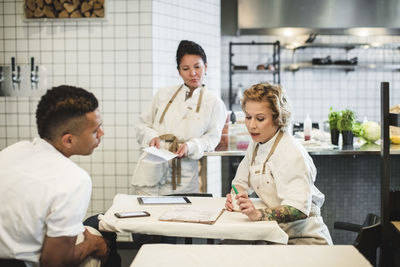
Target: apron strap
<point>173,98</point>
<point>278,138</point>
<point>176,162</point>
<point>276,142</point>
<point>200,99</point>
<point>169,103</point>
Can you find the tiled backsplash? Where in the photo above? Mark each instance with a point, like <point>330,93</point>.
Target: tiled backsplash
<point>123,59</point>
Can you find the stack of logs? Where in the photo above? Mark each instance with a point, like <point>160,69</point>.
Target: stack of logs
<point>64,8</point>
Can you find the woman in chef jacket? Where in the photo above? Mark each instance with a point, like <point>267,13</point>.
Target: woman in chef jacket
<point>279,170</point>
<point>186,119</point>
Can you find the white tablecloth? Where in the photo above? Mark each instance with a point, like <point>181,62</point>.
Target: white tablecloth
<point>166,255</point>
<point>230,225</point>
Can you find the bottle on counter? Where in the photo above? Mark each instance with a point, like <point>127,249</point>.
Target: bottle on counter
<point>307,126</point>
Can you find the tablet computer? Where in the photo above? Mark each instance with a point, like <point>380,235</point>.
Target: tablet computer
<point>163,200</point>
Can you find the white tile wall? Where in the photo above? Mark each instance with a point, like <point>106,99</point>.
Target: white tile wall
<point>314,91</point>
<point>122,59</point>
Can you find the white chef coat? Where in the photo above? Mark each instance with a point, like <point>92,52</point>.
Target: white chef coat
<point>288,180</point>
<point>201,131</point>
<point>42,193</point>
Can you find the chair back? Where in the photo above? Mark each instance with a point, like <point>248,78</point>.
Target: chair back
<point>369,237</point>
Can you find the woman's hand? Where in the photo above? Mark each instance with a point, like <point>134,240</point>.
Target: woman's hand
<point>182,150</point>
<point>228,203</point>
<point>155,142</point>
<point>247,206</point>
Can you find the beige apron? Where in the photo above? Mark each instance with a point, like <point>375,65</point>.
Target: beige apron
<point>311,230</point>
<point>150,174</point>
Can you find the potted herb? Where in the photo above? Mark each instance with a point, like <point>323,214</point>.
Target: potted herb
<point>345,126</point>
<point>333,118</point>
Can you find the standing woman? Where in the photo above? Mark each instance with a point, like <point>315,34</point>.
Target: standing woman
<point>186,119</point>
<point>279,170</point>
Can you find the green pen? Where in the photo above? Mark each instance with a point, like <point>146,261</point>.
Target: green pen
<point>234,189</point>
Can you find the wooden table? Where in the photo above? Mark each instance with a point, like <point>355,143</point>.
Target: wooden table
<point>167,255</point>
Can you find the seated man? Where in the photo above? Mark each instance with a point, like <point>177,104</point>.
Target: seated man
<point>44,194</point>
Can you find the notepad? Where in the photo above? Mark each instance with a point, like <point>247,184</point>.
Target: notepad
<point>192,215</point>
<point>159,154</point>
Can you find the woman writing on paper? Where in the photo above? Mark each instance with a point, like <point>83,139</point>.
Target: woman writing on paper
<point>186,119</point>
<point>279,170</point>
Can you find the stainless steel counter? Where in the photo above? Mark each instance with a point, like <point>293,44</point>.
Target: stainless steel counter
<point>366,149</point>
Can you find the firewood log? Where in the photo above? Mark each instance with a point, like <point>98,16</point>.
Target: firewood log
<point>69,7</point>
<point>86,7</point>
<point>57,5</point>
<point>63,14</point>
<point>39,3</point>
<point>76,14</point>
<point>49,12</point>
<point>28,13</point>
<point>31,4</point>
<point>99,12</point>
<point>38,13</point>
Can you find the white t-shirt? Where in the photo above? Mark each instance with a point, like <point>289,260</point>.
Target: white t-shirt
<point>42,192</point>
<point>201,131</point>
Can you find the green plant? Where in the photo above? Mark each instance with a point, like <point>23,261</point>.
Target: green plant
<point>346,120</point>
<point>333,118</point>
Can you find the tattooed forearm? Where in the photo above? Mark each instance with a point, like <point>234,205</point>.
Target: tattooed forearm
<point>281,214</point>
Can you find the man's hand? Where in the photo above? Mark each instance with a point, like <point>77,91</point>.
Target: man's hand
<point>101,247</point>
<point>62,251</point>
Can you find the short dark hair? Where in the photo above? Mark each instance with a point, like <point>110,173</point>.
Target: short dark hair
<point>191,48</point>
<point>61,104</point>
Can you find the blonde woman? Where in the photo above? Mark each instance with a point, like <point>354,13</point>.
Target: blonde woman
<point>279,170</point>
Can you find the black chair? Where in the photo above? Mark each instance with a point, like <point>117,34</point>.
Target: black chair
<point>368,238</point>
<point>12,263</point>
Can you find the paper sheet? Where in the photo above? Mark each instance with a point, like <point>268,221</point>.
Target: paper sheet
<point>160,153</point>
<point>192,214</point>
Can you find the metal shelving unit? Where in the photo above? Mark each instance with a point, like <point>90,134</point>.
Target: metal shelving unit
<point>275,63</point>
<point>347,67</point>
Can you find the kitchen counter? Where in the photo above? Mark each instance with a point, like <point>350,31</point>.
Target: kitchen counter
<point>365,149</point>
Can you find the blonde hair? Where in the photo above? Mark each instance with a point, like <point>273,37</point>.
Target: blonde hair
<point>275,96</point>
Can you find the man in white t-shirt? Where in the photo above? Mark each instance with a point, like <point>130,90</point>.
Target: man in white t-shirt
<point>44,194</point>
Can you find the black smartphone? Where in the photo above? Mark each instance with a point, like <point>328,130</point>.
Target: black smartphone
<point>131,214</point>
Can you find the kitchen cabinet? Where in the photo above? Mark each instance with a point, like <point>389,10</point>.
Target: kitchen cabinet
<point>348,65</point>
<point>267,70</point>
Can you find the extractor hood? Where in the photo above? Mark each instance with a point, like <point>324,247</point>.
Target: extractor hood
<point>289,17</point>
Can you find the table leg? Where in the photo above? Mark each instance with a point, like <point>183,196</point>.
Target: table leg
<point>203,175</point>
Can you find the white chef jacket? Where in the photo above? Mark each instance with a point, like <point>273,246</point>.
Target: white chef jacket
<point>201,131</point>
<point>288,180</point>
<point>42,193</point>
